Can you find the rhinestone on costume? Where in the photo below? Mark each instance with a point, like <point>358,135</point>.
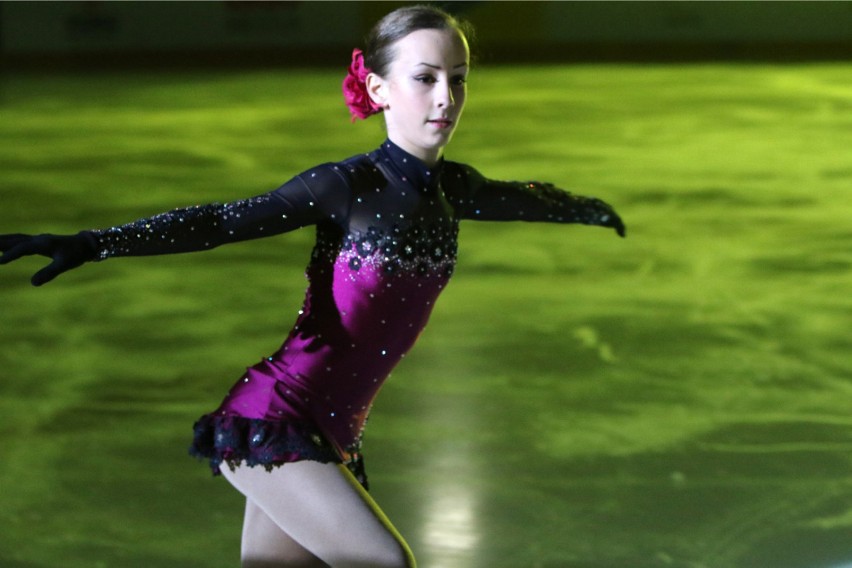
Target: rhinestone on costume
<point>175,230</point>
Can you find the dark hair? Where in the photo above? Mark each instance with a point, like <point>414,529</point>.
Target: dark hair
<point>379,52</point>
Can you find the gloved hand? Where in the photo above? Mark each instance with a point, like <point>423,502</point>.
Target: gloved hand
<point>67,252</point>
<point>605,216</point>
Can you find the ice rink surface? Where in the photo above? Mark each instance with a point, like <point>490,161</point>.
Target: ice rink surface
<point>677,399</point>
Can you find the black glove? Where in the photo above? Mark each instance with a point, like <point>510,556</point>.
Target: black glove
<point>602,214</point>
<point>67,252</point>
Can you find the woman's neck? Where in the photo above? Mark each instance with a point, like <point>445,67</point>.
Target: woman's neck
<point>429,157</point>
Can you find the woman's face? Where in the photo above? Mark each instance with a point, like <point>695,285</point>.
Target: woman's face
<point>424,91</point>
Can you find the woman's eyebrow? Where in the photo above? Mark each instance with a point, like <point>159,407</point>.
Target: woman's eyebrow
<point>462,64</point>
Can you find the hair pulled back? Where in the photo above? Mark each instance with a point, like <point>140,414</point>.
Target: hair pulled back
<point>379,46</point>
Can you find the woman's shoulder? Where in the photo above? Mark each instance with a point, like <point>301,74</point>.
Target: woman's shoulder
<point>459,168</point>
<point>461,176</point>
<point>348,169</point>
<point>334,173</point>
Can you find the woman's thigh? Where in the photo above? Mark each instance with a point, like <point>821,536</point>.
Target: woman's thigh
<point>265,545</point>
<point>323,509</point>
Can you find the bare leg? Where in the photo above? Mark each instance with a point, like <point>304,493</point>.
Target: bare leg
<point>265,545</point>
<point>321,509</point>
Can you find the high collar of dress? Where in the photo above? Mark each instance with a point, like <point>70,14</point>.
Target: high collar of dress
<point>410,169</point>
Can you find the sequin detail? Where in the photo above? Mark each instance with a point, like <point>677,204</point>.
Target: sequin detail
<point>419,250</point>
<point>175,230</point>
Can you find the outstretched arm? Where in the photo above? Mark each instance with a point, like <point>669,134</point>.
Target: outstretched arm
<point>489,200</point>
<point>304,200</point>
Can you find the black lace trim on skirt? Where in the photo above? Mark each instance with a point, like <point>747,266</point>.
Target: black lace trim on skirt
<point>235,439</point>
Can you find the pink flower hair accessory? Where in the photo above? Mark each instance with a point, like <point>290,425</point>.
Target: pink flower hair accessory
<point>355,89</point>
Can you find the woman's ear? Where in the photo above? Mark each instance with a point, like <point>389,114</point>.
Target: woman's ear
<point>377,90</point>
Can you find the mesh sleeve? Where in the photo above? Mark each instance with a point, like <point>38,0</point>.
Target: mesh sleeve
<point>489,200</point>
<point>307,199</point>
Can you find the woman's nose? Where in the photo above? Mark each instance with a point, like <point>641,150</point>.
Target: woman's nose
<point>445,96</point>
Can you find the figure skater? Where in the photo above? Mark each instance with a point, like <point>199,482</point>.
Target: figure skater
<point>288,433</point>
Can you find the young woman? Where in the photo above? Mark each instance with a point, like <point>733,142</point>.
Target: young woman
<point>287,435</point>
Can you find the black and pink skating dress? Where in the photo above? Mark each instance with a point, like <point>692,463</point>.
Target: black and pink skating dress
<point>387,228</point>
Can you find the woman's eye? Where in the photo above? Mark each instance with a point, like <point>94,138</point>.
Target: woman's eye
<point>459,80</point>
<point>427,79</point>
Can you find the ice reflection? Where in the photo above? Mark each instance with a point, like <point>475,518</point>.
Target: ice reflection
<point>450,520</point>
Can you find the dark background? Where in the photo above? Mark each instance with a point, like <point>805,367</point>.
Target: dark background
<point>90,35</point>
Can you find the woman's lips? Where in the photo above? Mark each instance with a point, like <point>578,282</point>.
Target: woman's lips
<point>441,123</point>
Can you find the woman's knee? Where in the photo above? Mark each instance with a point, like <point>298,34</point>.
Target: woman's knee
<point>397,556</point>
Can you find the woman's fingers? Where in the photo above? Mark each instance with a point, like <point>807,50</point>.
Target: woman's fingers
<point>16,246</point>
